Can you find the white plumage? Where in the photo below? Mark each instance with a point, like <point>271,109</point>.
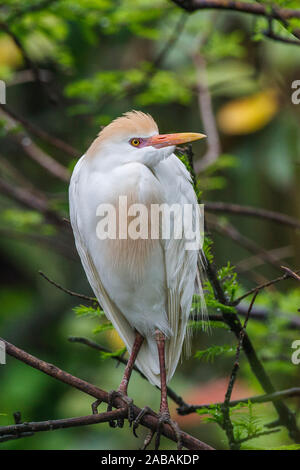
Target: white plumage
<point>142,285</point>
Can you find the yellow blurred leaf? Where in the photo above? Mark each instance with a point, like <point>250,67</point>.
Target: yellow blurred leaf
<point>249,114</point>
<point>114,340</point>
<point>9,53</point>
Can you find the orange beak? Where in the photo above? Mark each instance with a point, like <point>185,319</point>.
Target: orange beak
<point>165,140</point>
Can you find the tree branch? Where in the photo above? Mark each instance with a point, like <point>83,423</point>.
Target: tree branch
<point>32,201</point>
<point>243,7</point>
<point>4,26</point>
<point>40,133</point>
<point>252,212</point>
<point>230,231</point>
<point>291,273</point>
<point>148,420</point>
<point>227,424</point>
<point>262,314</point>
<point>269,397</point>
<point>285,276</point>
<point>67,291</point>
<point>34,151</point>
<point>206,110</point>
<point>277,38</point>
<point>17,430</point>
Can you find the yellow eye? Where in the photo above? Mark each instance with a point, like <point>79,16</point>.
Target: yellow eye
<point>135,142</point>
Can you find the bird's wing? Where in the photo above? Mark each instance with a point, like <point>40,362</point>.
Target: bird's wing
<point>111,310</point>
<point>183,270</point>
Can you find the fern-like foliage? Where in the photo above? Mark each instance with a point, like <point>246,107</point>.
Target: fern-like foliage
<point>247,426</point>
<point>211,353</point>
<point>227,276</point>
<point>203,325</point>
<point>117,353</point>
<point>93,312</point>
<point>84,311</point>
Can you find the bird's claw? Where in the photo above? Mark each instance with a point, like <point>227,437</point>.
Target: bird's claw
<point>136,422</point>
<point>163,418</point>
<point>95,406</point>
<point>129,402</point>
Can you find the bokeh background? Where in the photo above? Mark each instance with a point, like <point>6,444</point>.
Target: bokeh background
<point>78,65</point>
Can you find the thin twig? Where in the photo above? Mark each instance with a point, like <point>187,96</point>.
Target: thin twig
<point>258,314</point>
<point>227,424</point>
<point>276,37</point>
<point>33,150</point>
<point>262,314</point>
<point>268,397</point>
<point>291,273</point>
<point>207,116</point>
<point>244,7</point>
<point>285,276</point>
<point>179,27</point>
<point>4,26</point>
<point>68,291</point>
<point>32,201</point>
<point>18,430</point>
<point>254,261</point>
<point>40,133</point>
<point>251,212</point>
<point>275,13</point>
<point>230,231</point>
<point>255,436</point>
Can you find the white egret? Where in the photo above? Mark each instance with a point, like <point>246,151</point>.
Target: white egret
<point>145,285</point>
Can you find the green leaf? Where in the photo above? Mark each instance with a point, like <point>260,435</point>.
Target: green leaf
<point>103,327</point>
<point>228,276</point>
<point>207,248</point>
<point>205,324</point>
<point>211,302</point>
<point>119,352</point>
<point>84,311</point>
<point>165,87</point>
<point>211,353</point>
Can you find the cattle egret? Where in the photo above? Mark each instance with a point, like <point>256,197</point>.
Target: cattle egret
<point>144,284</point>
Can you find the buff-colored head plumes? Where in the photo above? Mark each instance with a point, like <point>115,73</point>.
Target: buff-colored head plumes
<point>131,124</point>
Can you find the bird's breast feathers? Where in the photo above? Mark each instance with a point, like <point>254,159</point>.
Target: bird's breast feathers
<point>121,200</point>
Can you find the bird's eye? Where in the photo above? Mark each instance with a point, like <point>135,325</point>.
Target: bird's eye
<point>135,142</point>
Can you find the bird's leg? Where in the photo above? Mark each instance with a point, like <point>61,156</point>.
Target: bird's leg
<point>122,390</point>
<point>164,412</point>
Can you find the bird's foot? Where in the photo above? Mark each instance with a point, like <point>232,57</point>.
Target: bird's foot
<point>163,418</point>
<point>142,413</point>
<point>129,403</point>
